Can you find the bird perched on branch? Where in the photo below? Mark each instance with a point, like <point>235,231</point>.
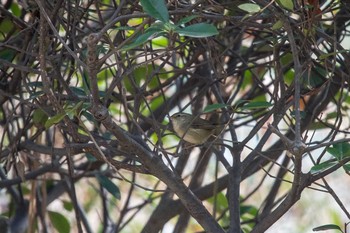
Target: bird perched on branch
<point>194,129</point>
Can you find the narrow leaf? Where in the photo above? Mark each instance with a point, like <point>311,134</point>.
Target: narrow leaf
<point>76,107</point>
<point>109,186</point>
<point>59,222</point>
<point>67,205</point>
<point>198,30</point>
<point>78,91</point>
<point>327,227</point>
<point>213,107</point>
<point>54,120</point>
<point>249,7</point>
<point>257,105</point>
<point>286,4</point>
<point>322,166</point>
<point>277,25</point>
<point>156,8</point>
<point>186,20</point>
<point>141,40</point>
<point>39,117</point>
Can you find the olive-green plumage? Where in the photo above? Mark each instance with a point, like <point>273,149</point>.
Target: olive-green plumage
<point>194,129</point>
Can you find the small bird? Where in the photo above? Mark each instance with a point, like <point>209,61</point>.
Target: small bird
<point>194,129</point>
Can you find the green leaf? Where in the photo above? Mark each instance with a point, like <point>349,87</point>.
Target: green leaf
<point>78,91</point>
<point>318,125</point>
<point>72,111</point>
<point>6,25</point>
<point>198,30</point>
<point>54,120</point>
<point>67,205</point>
<point>347,167</point>
<point>186,20</point>
<point>257,105</point>
<point>39,117</point>
<point>314,79</point>
<point>109,185</point>
<point>159,27</point>
<point>156,8</point>
<point>36,94</point>
<point>7,55</point>
<point>221,201</point>
<point>248,209</point>
<point>249,7</point>
<point>287,59</point>
<point>90,157</point>
<point>15,10</point>
<point>160,42</point>
<point>213,107</point>
<point>322,166</point>
<point>69,111</point>
<point>240,103</point>
<point>277,25</point>
<point>59,222</point>
<point>327,227</point>
<point>340,150</point>
<point>88,116</point>
<point>286,4</point>
<point>140,40</point>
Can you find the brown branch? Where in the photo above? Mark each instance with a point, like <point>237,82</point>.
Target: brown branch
<point>156,167</point>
